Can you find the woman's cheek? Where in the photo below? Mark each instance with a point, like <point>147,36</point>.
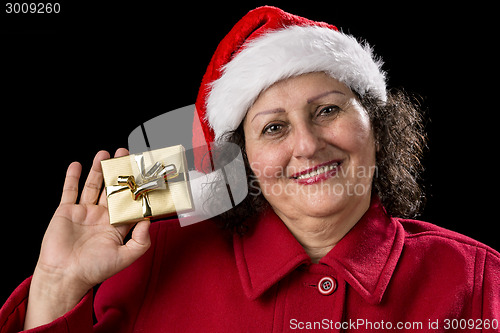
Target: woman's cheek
<point>268,165</point>
<point>354,136</point>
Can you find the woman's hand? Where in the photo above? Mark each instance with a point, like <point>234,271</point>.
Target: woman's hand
<point>80,248</point>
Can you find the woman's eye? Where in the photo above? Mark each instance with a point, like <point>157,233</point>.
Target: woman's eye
<point>272,129</point>
<point>328,110</point>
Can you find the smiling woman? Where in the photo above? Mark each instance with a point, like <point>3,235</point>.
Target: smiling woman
<point>398,144</point>
<point>317,135</point>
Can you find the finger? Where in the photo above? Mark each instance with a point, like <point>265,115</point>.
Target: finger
<point>102,200</point>
<point>93,183</point>
<point>121,152</point>
<point>70,188</point>
<point>140,235</point>
<point>137,245</point>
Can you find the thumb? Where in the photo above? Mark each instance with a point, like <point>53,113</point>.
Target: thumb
<point>137,245</point>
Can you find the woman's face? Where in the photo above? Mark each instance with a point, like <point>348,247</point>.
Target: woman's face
<point>311,146</point>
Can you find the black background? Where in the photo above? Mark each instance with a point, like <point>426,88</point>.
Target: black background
<point>80,81</point>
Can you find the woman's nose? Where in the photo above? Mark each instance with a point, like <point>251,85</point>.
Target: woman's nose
<point>307,141</point>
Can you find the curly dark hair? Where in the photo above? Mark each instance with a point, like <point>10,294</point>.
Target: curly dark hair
<point>400,137</point>
<point>398,127</point>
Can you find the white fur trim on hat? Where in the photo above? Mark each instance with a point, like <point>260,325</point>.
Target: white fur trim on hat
<point>285,53</point>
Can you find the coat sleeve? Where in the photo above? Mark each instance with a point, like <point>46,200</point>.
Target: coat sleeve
<point>491,292</point>
<point>13,312</point>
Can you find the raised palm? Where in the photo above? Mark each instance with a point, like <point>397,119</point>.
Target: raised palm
<point>80,244</point>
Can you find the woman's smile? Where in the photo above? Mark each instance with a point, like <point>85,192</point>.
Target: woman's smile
<point>317,173</point>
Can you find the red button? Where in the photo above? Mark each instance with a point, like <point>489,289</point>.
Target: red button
<point>327,285</point>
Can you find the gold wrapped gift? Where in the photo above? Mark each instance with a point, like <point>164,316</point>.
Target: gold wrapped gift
<point>150,185</point>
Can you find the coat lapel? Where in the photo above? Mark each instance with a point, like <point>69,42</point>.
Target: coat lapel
<point>366,257</point>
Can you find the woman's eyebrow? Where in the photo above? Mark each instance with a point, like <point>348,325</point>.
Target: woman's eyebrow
<point>278,110</point>
<point>309,101</point>
<point>312,99</point>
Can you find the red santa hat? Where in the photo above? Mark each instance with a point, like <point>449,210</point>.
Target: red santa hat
<point>268,45</point>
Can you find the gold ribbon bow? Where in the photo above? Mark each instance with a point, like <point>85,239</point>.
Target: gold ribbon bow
<point>154,178</point>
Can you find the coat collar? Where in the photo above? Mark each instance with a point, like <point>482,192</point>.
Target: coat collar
<point>366,257</point>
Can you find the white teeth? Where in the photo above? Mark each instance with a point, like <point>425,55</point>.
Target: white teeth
<point>318,171</point>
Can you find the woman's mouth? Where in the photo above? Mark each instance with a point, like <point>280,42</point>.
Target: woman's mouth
<point>318,173</point>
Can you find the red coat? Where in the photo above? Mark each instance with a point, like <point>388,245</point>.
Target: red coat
<point>386,273</point>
